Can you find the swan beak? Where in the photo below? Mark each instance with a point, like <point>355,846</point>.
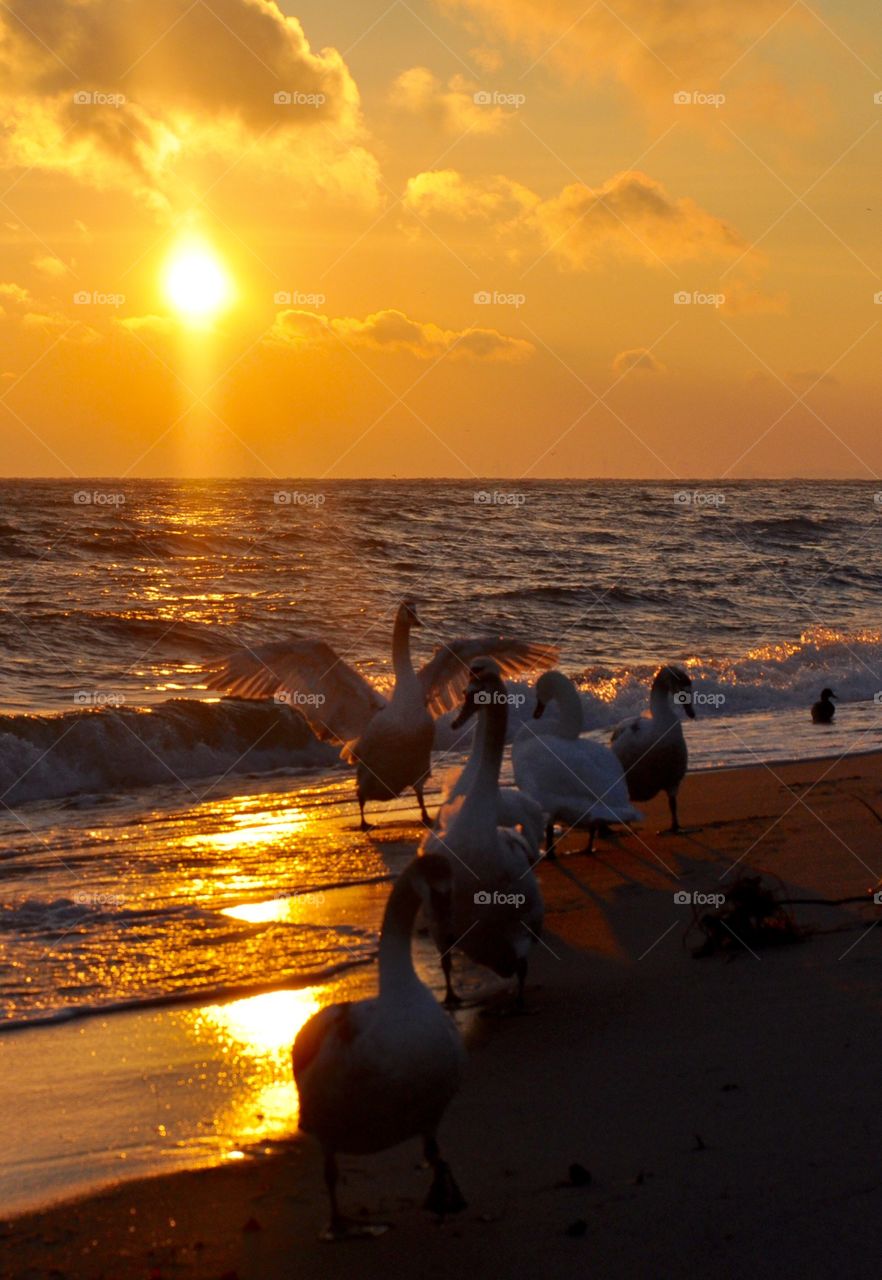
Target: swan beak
<point>466,711</point>
<point>538,712</point>
<point>689,709</point>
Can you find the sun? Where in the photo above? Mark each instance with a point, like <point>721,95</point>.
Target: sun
<point>195,281</point>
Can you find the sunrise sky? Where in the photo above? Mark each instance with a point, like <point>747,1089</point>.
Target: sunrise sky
<point>242,238</point>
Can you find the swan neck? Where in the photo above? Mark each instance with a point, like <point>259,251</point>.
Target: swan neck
<point>489,744</point>
<point>570,708</point>
<point>401,660</point>
<point>660,704</point>
<point>396,962</point>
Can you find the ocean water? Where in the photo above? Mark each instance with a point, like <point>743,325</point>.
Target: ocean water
<point>158,845</point>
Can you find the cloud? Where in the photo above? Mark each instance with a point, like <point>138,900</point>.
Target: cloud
<point>632,214</point>
<point>177,83</point>
<point>393,331</point>
<point>19,309</point>
<point>49,265</point>
<point>652,46</point>
<point>640,359</point>
<point>445,193</point>
<point>629,215</point>
<point>457,106</point>
<point>151,324</point>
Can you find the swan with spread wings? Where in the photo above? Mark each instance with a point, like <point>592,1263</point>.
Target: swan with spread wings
<point>388,741</point>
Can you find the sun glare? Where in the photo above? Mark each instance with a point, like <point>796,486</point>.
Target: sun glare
<point>196,283</point>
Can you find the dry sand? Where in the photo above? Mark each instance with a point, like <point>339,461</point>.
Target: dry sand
<point>727,1110</point>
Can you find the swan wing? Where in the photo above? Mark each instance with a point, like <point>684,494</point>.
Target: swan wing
<point>337,701</point>
<point>336,1022</point>
<point>446,674</point>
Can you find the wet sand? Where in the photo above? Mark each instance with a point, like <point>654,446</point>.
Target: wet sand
<point>725,1108</point>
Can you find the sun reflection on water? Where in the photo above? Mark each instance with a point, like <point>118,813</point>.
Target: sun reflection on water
<point>256,1035</point>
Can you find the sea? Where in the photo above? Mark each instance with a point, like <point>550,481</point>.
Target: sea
<point>164,848</point>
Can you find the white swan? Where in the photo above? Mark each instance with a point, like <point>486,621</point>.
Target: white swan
<point>390,743</point>
<point>577,782</point>
<point>514,808</point>
<point>497,906</point>
<point>652,748</point>
<point>373,1073</point>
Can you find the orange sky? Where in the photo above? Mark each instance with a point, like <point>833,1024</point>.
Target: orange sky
<point>454,234</point>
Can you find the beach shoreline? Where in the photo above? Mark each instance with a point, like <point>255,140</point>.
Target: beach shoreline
<point>688,1088</point>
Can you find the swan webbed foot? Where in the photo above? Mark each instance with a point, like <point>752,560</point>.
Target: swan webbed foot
<point>339,1229</point>
<point>444,1195</point>
<point>364,825</point>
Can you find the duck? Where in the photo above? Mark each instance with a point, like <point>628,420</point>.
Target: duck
<point>576,782</point>
<point>823,710</point>
<point>377,1072</point>
<point>652,749</point>
<point>497,904</point>
<point>389,742</point>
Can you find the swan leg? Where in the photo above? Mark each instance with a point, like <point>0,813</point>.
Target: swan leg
<point>340,1228</point>
<point>444,1195</point>
<point>592,833</point>
<point>365,825</point>
<point>451,999</point>
<point>550,851</point>
<point>674,828</point>
<point>418,788</point>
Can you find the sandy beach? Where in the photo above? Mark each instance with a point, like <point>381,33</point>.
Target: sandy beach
<point>725,1108</point>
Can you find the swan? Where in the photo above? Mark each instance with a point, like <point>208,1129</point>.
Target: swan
<point>389,742</point>
<point>514,808</point>
<point>497,905</point>
<point>823,710</point>
<point>373,1073</point>
<point>652,748</point>
<point>577,782</point>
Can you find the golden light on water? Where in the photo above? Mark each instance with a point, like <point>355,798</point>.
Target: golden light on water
<point>196,282</point>
<point>256,1035</point>
<point>267,1024</point>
